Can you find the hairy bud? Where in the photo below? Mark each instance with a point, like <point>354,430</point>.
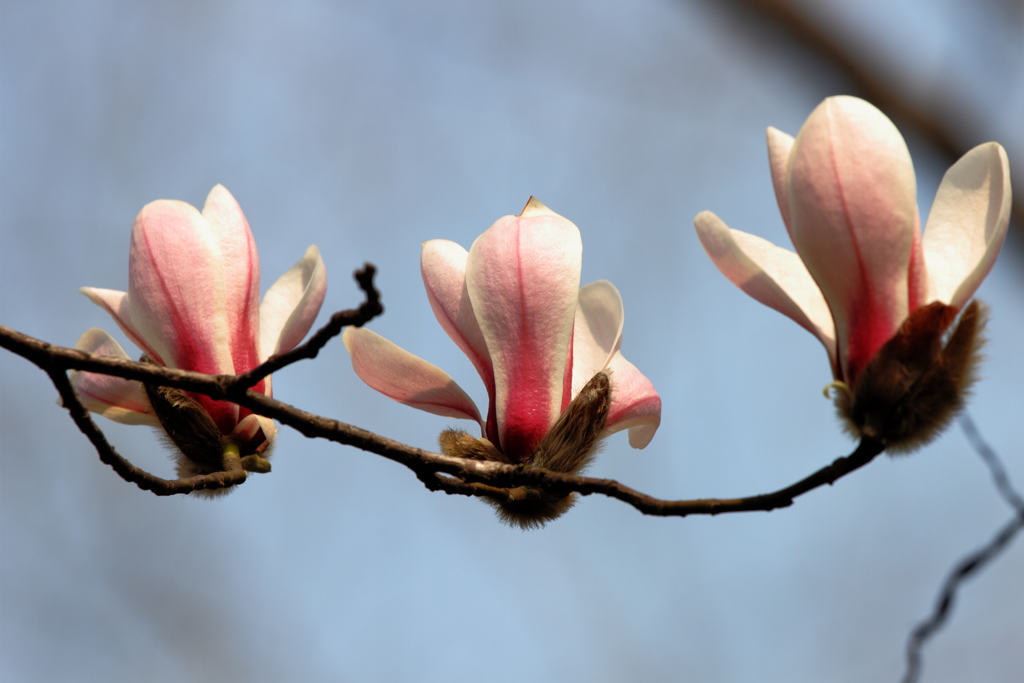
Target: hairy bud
<point>915,384</point>
<point>568,447</point>
<point>201,447</point>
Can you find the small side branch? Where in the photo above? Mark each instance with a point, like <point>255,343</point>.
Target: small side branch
<point>356,317</point>
<point>975,561</point>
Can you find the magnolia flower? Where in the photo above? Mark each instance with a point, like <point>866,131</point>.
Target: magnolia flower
<point>193,303</point>
<point>878,296</point>
<point>546,350</point>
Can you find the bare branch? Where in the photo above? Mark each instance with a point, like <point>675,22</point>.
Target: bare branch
<point>233,474</point>
<point>973,562</point>
<point>358,317</point>
<point>438,472</point>
<point>965,568</point>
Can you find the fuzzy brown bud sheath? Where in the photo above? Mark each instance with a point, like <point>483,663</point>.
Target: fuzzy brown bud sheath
<point>568,447</point>
<point>917,382</point>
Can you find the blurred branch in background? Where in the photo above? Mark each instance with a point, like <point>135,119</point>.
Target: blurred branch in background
<point>973,562</point>
<point>935,124</point>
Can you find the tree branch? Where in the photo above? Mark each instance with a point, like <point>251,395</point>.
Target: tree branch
<point>973,562</point>
<point>358,317</point>
<point>438,472</point>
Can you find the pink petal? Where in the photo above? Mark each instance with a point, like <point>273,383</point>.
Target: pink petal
<point>120,400</point>
<point>636,406</point>
<point>774,276</point>
<point>240,266</point>
<point>291,304</point>
<point>443,264</point>
<point>967,224</point>
<point>250,427</point>
<point>523,277</point>
<point>779,146</point>
<point>406,378</point>
<point>853,219</point>
<point>116,304</point>
<point>176,288</point>
<point>597,331</point>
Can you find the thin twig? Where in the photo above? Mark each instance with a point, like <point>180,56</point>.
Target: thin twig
<point>988,454</point>
<point>965,568</point>
<point>973,562</point>
<point>358,317</point>
<point>233,474</point>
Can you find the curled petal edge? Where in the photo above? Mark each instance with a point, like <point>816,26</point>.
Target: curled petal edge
<point>290,306</point>
<point>636,405</point>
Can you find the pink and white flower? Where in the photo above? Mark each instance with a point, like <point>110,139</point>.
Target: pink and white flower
<point>193,303</point>
<point>847,193</point>
<point>514,305</point>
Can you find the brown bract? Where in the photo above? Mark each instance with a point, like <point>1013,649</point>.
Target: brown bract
<point>568,447</point>
<point>915,384</point>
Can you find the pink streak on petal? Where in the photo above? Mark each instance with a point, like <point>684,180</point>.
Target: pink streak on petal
<point>852,214</point>
<point>401,376</point>
<point>176,295</point>
<point>523,276</point>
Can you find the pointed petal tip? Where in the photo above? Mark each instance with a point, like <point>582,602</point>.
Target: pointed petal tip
<point>535,207</point>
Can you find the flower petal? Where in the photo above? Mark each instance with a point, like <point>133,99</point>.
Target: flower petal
<point>443,264</point>
<point>176,296</point>
<point>774,276</point>
<point>597,331</point>
<point>523,277</point>
<point>253,429</point>
<point>117,399</point>
<point>406,378</point>
<point>636,405</point>
<point>779,146</point>
<point>853,220</point>
<point>291,304</point>
<point>240,266</point>
<point>967,224</point>
<point>116,304</point>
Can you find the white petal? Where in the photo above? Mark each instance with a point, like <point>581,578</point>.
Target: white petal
<point>291,304</point>
<point>597,332</point>
<point>967,224</point>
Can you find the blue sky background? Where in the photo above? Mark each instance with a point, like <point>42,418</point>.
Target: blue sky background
<point>367,128</point>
